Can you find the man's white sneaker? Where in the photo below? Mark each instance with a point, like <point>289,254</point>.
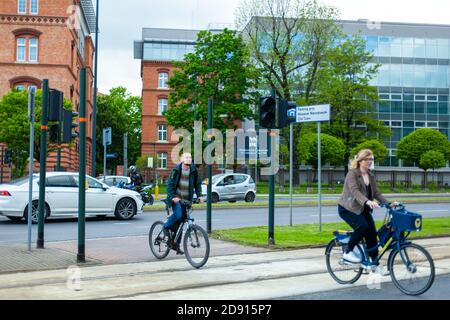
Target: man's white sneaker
<point>351,257</point>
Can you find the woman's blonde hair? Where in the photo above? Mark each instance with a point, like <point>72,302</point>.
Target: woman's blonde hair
<point>364,153</point>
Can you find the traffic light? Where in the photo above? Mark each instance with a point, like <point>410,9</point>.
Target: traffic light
<point>68,125</point>
<point>54,132</point>
<point>56,99</point>
<point>267,112</point>
<point>285,113</point>
<point>8,156</point>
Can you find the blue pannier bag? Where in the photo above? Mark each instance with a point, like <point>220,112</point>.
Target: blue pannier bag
<point>405,220</point>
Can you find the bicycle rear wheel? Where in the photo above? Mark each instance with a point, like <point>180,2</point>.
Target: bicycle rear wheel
<point>158,240</point>
<point>196,246</point>
<point>341,271</point>
<point>415,275</point>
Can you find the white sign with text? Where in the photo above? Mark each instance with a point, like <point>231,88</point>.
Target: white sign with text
<point>313,113</point>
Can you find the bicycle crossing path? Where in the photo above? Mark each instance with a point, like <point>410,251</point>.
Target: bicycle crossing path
<point>263,275</point>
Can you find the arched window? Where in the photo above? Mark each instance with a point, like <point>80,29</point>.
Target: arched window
<point>25,83</point>
<point>27,45</point>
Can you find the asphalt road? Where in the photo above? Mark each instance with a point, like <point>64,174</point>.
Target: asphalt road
<point>386,291</point>
<point>60,229</point>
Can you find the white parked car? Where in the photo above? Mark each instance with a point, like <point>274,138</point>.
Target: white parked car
<point>112,181</point>
<point>61,198</point>
<point>232,187</point>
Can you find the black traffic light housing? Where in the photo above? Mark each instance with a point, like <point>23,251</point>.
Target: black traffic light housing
<point>267,112</point>
<point>283,107</point>
<point>8,156</point>
<point>56,99</point>
<point>68,125</point>
<point>54,132</point>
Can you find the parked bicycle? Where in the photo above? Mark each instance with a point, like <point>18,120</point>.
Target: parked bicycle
<point>195,241</point>
<point>411,267</point>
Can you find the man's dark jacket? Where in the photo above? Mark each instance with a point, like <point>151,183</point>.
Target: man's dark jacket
<point>174,179</point>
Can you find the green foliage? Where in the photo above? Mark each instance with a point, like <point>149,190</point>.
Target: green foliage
<point>142,162</point>
<point>331,149</point>
<point>432,160</point>
<point>380,152</point>
<point>344,83</point>
<point>15,127</point>
<point>417,143</point>
<point>219,69</point>
<point>122,112</point>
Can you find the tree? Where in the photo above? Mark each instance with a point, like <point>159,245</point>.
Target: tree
<point>432,160</point>
<point>287,40</point>
<point>15,127</point>
<point>122,112</point>
<point>344,78</point>
<point>380,152</point>
<point>417,143</point>
<point>331,149</point>
<point>219,69</point>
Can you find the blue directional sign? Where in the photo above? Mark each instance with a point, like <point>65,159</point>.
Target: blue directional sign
<point>112,155</point>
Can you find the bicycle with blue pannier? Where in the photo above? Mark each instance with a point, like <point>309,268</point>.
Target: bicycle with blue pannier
<point>410,265</point>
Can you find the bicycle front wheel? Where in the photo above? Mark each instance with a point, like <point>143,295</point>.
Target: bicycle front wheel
<point>341,271</point>
<point>158,240</point>
<point>196,246</point>
<point>412,270</point>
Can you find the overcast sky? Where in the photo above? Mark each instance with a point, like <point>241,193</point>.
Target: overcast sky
<point>121,23</point>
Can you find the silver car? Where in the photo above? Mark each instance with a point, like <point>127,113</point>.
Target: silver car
<point>232,187</point>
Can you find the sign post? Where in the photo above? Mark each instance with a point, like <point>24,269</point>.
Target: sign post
<point>106,142</point>
<point>315,113</point>
<point>31,97</point>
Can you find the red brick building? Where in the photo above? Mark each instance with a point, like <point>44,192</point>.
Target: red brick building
<point>157,49</point>
<point>49,40</point>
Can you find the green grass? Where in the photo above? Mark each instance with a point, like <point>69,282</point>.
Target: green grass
<point>240,204</point>
<point>307,235</point>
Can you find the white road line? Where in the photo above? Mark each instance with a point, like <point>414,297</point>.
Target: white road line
<point>325,215</point>
<point>121,223</point>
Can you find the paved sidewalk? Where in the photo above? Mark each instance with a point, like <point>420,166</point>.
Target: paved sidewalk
<point>263,275</point>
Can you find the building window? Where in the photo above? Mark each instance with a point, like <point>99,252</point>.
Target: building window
<point>33,50</point>
<point>34,6</point>
<point>20,87</point>
<point>21,49</point>
<point>162,105</point>
<point>162,132</point>
<point>22,6</point>
<point>32,87</point>
<point>163,78</point>
<point>162,160</point>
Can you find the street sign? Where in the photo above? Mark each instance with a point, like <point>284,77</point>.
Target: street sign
<point>150,162</point>
<point>112,155</point>
<point>107,140</point>
<point>313,113</point>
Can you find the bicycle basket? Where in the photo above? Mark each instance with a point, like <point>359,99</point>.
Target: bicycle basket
<point>404,220</point>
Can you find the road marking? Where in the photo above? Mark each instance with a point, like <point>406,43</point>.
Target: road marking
<point>324,215</point>
<point>122,223</point>
<point>434,210</point>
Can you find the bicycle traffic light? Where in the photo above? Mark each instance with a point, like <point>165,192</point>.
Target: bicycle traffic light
<point>68,125</point>
<point>267,112</point>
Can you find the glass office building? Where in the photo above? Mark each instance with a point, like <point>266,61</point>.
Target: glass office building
<point>414,78</point>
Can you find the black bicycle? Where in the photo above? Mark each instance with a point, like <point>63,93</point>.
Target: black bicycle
<point>195,241</point>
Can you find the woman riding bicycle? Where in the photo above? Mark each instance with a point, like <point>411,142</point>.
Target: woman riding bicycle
<point>356,205</point>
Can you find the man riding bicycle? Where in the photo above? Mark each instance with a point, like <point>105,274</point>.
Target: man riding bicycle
<point>183,182</point>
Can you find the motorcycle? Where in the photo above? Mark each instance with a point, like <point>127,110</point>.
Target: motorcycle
<point>144,191</point>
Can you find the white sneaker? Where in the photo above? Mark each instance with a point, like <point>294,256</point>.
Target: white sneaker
<point>351,257</point>
<point>381,270</point>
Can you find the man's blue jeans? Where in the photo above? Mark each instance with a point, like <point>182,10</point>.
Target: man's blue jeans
<point>175,217</point>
